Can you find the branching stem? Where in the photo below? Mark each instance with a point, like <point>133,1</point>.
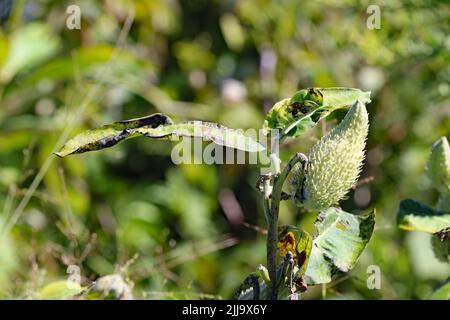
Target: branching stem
<point>272,220</point>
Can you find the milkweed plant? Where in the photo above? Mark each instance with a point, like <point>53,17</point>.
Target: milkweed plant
<point>315,181</point>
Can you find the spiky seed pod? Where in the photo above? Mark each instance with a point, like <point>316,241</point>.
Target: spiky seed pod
<point>335,161</point>
<point>438,166</point>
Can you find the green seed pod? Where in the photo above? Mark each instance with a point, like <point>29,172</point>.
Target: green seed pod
<point>438,166</point>
<point>335,161</point>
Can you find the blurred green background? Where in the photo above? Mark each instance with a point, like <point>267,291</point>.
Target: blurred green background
<point>188,231</point>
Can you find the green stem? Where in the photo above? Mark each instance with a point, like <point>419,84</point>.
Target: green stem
<point>272,222</point>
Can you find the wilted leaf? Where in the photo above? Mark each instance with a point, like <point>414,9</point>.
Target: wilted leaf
<point>207,130</point>
<point>59,290</point>
<point>414,215</point>
<point>340,241</point>
<point>111,134</point>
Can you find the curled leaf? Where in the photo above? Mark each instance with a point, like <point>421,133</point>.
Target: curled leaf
<point>308,106</point>
<point>111,134</point>
<point>206,130</point>
<point>157,126</point>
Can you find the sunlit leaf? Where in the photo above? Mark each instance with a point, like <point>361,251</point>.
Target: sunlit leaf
<point>307,107</point>
<point>158,126</point>
<point>414,215</point>
<point>341,238</point>
<point>344,96</point>
<point>207,130</point>
<point>109,135</point>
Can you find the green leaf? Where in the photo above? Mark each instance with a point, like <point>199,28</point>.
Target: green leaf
<point>440,242</point>
<point>207,130</point>
<point>442,293</point>
<point>414,215</point>
<point>109,135</point>
<point>157,126</point>
<point>341,239</point>
<point>344,96</point>
<point>307,107</point>
<point>59,290</point>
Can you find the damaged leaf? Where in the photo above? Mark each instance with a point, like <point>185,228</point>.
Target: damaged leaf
<point>308,106</point>
<point>111,134</point>
<point>340,240</point>
<point>207,130</point>
<point>157,126</point>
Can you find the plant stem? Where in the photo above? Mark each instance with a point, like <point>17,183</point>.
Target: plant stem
<point>272,222</point>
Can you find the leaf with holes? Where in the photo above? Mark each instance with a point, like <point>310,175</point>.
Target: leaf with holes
<point>307,107</point>
<point>206,130</point>
<point>111,134</point>
<point>340,240</point>
<point>158,126</point>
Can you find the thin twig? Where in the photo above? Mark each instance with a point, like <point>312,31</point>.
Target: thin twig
<point>256,228</point>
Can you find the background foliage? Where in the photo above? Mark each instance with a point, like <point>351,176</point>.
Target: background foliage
<point>178,231</point>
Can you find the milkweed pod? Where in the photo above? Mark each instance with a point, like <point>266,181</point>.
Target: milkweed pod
<point>438,166</point>
<point>335,161</point>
